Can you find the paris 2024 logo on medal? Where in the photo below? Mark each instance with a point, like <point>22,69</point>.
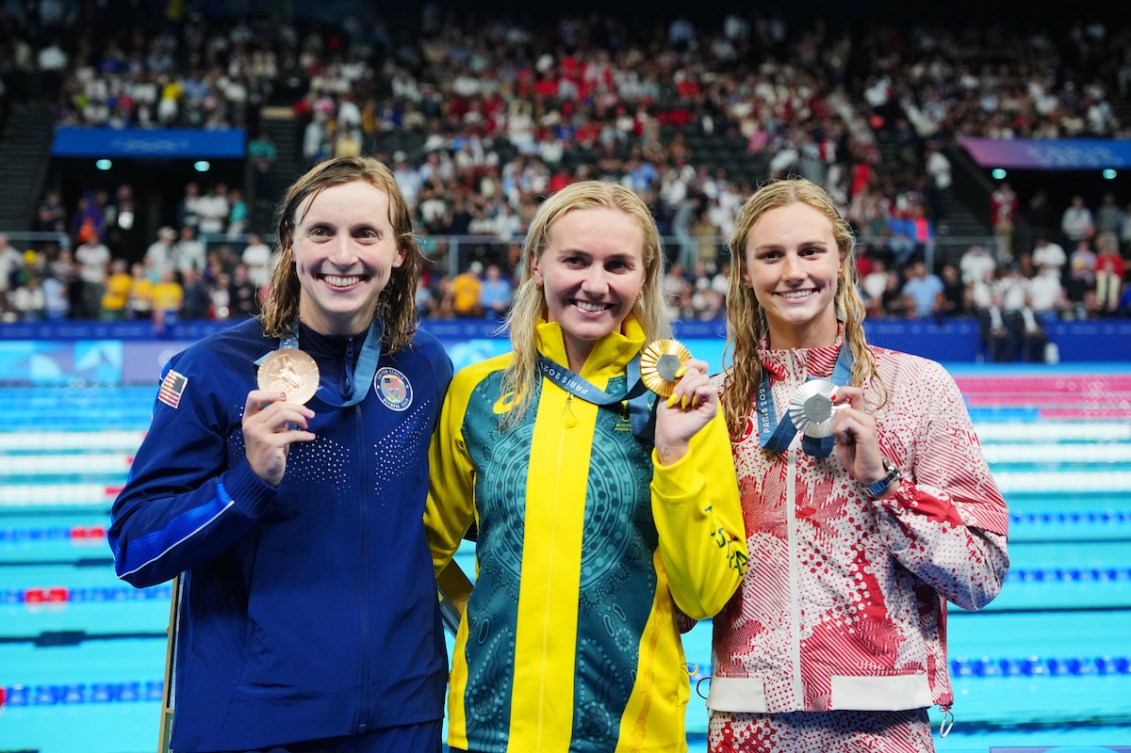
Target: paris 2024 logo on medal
<point>393,389</point>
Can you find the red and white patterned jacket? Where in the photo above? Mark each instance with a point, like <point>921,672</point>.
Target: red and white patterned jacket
<point>844,601</point>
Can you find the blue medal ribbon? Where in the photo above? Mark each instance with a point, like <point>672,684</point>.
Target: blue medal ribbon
<point>365,370</point>
<point>639,406</point>
<point>777,438</point>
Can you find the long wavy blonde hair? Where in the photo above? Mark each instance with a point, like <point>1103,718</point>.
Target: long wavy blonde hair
<point>396,304</point>
<point>530,300</point>
<point>746,319</point>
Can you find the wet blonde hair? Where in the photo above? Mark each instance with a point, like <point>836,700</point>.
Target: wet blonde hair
<point>396,304</point>
<point>530,300</point>
<point>746,319</point>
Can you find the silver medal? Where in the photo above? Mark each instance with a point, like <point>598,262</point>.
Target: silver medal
<point>811,408</point>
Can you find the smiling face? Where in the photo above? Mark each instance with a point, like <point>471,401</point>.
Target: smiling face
<point>793,265</point>
<point>345,250</point>
<point>591,273</point>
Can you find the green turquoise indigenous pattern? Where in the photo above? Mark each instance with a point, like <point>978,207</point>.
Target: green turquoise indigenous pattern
<point>618,578</point>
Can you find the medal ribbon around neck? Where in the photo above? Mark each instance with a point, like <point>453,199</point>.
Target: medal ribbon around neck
<point>635,392</point>
<point>778,438</point>
<point>366,368</point>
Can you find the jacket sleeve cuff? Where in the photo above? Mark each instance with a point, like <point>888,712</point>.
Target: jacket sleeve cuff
<point>911,498</point>
<point>250,493</point>
<point>677,481</point>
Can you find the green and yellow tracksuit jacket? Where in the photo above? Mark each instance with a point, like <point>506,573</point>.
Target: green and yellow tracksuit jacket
<point>587,550</point>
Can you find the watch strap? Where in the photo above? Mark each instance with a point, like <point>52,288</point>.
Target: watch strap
<point>878,488</point>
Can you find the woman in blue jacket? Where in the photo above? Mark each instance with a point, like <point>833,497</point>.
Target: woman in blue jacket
<point>308,617</point>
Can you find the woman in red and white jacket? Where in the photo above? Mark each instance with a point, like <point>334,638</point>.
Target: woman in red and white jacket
<point>867,500</point>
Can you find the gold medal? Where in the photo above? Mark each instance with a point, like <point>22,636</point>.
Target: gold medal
<point>658,364</point>
<point>291,371</point>
<point>812,408</point>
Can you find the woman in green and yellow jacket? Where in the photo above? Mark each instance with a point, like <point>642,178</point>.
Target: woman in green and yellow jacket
<point>602,520</point>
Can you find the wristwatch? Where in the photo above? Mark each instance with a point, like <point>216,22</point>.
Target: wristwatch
<point>893,474</point>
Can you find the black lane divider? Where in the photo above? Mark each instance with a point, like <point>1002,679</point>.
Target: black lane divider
<point>52,638</point>
<point>99,562</point>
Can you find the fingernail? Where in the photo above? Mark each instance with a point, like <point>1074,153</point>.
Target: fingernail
<point>680,371</point>
<point>683,402</point>
<point>671,400</point>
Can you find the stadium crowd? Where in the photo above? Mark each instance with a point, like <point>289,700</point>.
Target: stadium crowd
<point>481,117</point>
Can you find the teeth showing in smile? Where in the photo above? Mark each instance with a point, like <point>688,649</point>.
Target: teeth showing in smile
<point>341,282</point>
<point>591,307</point>
<point>795,293</point>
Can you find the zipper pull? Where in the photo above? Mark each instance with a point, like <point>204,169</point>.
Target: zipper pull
<point>570,419</point>
<point>947,721</point>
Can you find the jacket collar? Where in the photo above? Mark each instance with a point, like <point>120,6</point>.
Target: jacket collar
<point>800,363</point>
<point>610,355</point>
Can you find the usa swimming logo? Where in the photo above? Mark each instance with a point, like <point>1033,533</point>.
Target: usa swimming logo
<point>393,389</point>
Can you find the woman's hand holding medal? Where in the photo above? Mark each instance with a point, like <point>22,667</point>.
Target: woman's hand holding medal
<point>691,400</point>
<point>274,415</point>
<point>857,440</point>
<point>270,424</point>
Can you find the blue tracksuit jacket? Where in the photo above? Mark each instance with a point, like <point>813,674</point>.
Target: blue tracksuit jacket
<point>310,610</point>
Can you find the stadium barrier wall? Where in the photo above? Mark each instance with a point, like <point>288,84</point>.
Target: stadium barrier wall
<point>53,353</point>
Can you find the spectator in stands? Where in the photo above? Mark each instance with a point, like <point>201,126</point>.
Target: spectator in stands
<point>588,301</point>
<point>243,294</point>
<point>955,294</point>
<point>159,255</point>
<point>51,216</point>
<point>998,339</point>
<point>167,297</point>
<point>197,295</point>
<point>1109,215</point>
<point>10,262</point>
<point>706,303</point>
<point>893,484</point>
<point>29,301</point>
<point>900,239</point>
<point>1080,282</point>
<point>238,218</point>
<point>143,276</point>
<point>1031,334</point>
<point>56,306</point>
<point>212,210</point>
<point>874,287</point>
<point>257,257</point>
<point>1125,234</point>
<point>188,252</point>
<point>466,291</point>
<point>1047,298</point>
<point>495,294</point>
<point>976,263</point>
<point>1042,215</point>
<point>188,208</point>
<point>93,260</point>
<point>938,168</point>
<point>1003,216</point>
<point>925,290</point>
<point>1077,222</point>
<point>1110,271</point>
<point>65,269</point>
<point>262,154</point>
<point>116,296</point>
<point>1047,253</point>
<point>271,478</point>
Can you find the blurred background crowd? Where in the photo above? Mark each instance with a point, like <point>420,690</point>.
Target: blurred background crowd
<point>482,113</point>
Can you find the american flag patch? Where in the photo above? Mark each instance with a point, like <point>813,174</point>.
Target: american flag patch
<point>172,389</point>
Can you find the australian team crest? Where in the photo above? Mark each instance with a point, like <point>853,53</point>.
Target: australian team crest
<point>393,388</point>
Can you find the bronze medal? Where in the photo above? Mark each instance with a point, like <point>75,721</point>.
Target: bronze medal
<point>659,362</point>
<point>291,371</point>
